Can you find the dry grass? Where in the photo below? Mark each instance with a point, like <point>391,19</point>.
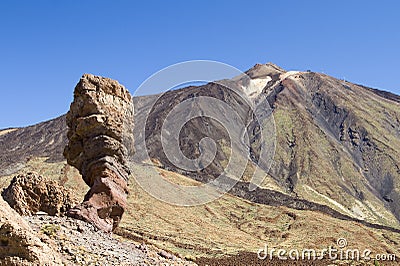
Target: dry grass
<point>324,164</point>
<point>230,224</point>
<point>65,175</point>
<point>225,226</point>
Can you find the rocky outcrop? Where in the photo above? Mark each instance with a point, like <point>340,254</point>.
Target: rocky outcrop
<point>43,240</point>
<point>334,138</point>
<point>19,245</point>
<point>100,137</point>
<point>31,193</point>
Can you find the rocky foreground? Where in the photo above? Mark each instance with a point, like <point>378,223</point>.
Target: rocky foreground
<point>335,168</point>
<point>80,243</point>
<point>30,236</point>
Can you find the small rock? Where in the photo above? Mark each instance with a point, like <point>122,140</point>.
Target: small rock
<point>80,229</point>
<point>143,248</point>
<point>166,255</point>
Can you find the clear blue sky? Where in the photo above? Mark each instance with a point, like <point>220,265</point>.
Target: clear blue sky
<point>47,45</point>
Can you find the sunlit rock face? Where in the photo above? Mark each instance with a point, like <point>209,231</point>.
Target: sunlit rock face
<point>100,123</point>
<point>31,193</point>
<point>19,244</point>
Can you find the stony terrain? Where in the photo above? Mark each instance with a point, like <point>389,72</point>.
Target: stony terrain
<point>357,130</point>
<point>335,172</point>
<point>19,244</point>
<point>337,143</point>
<point>40,239</point>
<point>80,243</point>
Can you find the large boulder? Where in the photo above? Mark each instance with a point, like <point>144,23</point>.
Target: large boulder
<point>31,193</point>
<point>19,245</point>
<point>100,122</point>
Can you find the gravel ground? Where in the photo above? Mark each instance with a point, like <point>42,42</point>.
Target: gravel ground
<point>80,243</point>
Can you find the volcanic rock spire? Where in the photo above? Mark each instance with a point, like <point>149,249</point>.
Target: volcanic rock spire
<point>100,122</point>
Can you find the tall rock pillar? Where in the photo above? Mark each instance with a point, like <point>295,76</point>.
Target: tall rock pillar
<point>100,122</point>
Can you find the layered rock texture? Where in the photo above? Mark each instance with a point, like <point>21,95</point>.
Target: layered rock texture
<point>100,137</point>
<point>337,143</point>
<point>337,159</point>
<point>31,193</point>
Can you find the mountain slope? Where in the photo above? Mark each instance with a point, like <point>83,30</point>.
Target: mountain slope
<point>347,143</point>
<point>337,155</point>
<point>46,139</point>
<point>336,142</point>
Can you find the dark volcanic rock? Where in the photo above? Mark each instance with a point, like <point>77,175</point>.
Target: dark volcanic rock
<point>30,193</point>
<point>334,138</point>
<point>100,136</point>
<point>46,139</point>
<point>196,128</point>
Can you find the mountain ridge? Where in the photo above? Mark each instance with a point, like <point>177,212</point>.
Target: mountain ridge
<point>58,140</point>
<point>336,154</point>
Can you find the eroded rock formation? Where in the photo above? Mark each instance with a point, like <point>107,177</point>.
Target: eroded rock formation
<point>100,137</point>
<point>30,193</point>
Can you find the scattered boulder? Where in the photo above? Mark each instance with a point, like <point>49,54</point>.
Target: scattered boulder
<point>32,193</point>
<point>100,122</point>
<point>19,245</point>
